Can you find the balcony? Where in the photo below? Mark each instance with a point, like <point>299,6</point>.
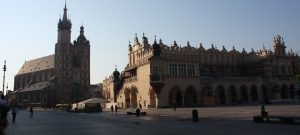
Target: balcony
<point>156,81</point>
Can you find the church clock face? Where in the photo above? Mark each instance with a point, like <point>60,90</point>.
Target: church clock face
<point>76,61</point>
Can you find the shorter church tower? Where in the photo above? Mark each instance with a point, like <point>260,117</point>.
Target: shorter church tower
<point>81,63</point>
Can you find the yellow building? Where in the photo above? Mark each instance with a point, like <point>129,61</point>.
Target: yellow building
<point>158,75</point>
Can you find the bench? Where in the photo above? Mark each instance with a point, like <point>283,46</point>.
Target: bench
<point>283,119</point>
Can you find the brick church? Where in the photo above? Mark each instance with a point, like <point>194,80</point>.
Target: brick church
<point>60,78</point>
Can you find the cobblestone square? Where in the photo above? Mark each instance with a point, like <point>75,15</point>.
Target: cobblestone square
<point>212,121</point>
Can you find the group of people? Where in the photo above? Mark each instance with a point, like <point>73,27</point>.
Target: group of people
<point>112,109</point>
<point>4,109</point>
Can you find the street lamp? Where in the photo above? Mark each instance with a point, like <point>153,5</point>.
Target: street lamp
<point>4,69</point>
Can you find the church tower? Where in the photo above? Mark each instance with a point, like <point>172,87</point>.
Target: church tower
<point>72,64</point>
<point>62,60</point>
<point>81,64</point>
<point>279,46</point>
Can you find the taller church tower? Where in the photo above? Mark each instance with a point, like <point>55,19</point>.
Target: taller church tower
<point>72,64</point>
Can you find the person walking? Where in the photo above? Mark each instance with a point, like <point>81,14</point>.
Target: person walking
<point>116,109</point>
<point>112,109</point>
<point>14,111</point>
<point>31,112</point>
<point>174,106</point>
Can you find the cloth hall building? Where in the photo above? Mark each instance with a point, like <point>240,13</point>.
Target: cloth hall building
<point>60,78</point>
<point>158,75</point>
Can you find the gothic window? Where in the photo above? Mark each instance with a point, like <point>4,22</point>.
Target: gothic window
<point>283,69</point>
<point>45,99</point>
<point>190,70</point>
<point>40,76</point>
<point>173,69</point>
<point>290,70</point>
<point>38,98</point>
<point>275,69</point>
<point>181,69</point>
<point>43,76</point>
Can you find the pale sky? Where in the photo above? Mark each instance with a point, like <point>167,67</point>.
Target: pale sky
<point>29,27</point>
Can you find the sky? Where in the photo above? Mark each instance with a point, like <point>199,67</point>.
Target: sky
<point>29,27</point>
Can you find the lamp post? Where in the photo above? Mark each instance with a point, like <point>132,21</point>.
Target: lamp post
<point>4,69</point>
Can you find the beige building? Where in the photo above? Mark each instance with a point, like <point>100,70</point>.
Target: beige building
<point>159,75</point>
<point>108,89</point>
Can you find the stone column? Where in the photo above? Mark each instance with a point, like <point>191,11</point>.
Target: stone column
<point>156,100</point>
<point>182,97</point>
<point>130,100</point>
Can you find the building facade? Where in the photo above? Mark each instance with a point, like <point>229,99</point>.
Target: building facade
<point>158,75</point>
<point>63,77</point>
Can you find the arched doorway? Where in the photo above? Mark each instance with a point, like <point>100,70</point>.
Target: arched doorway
<point>207,96</point>
<point>175,96</point>
<point>134,101</point>
<point>284,91</point>
<point>254,93</point>
<point>292,91</point>
<point>220,95</point>
<point>275,92</point>
<point>244,94</point>
<point>233,94</point>
<point>127,98</point>
<point>152,98</point>
<point>190,96</point>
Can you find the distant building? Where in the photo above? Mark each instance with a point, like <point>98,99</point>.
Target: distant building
<point>159,75</point>
<point>63,77</point>
<point>96,91</point>
<point>108,91</point>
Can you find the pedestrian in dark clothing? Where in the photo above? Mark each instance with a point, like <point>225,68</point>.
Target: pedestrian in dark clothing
<point>263,112</point>
<point>116,109</point>
<point>174,107</point>
<point>31,112</point>
<point>14,111</point>
<point>4,108</point>
<point>112,109</point>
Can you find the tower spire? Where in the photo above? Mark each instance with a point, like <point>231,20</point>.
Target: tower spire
<point>65,4</point>
<point>65,11</point>
<point>64,23</point>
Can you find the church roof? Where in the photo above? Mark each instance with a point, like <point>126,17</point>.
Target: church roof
<point>36,86</point>
<point>38,64</point>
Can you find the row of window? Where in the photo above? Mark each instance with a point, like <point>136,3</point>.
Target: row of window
<point>282,69</point>
<point>41,76</point>
<point>207,58</point>
<point>182,69</point>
